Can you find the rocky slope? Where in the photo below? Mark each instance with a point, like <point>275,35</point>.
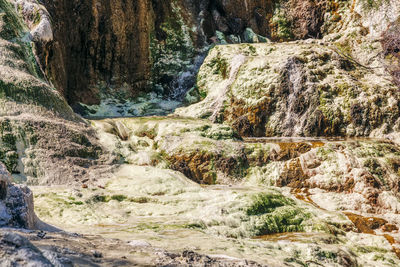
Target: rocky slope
<point>284,151</point>
<point>42,140</point>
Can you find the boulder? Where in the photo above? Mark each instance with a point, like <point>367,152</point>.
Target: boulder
<point>16,203</point>
<point>4,180</point>
<point>16,250</point>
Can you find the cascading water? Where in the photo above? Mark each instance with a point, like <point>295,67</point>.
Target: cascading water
<point>217,105</point>
<point>187,78</point>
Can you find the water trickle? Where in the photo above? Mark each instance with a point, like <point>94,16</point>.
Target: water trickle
<point>295,81</point>
<point>187,78</point>
<point>218,103</point>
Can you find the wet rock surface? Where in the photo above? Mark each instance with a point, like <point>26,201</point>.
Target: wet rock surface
<point>187,189</point>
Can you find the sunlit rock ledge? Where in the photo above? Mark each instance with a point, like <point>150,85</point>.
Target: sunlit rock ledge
<point>294,89</point>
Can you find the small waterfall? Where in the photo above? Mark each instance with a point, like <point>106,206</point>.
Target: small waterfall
<point>187,78</point>
<point>218,103</point>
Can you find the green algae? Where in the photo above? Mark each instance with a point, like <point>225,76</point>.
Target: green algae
<point>373,4</point>
<point>220,133</point>
<point>8,141</point>
<point>281,220</point>
<point>118,198</point>
<point>13,26</point>
<point>273,213</point>
<point>266,203</point>
<point>325,154</point>
<point>284,26</point>
<point>219,65</point>
<point>96,199</point>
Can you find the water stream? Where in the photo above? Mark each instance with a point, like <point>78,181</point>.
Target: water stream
<point>168,210</point>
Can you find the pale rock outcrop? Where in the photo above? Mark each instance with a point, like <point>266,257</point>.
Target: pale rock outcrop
<point>37,19</point>
<point>16,250</point>
<point>35,119</point>
<point>16,206</point>
<point>294,89</point>
<point>377,15</point>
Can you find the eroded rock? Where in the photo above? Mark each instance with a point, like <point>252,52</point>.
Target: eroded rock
<point>17,250</point>
<point>168,38</point>
<point>4,180</point>
<point>16,206</point>
<point>294,89</point>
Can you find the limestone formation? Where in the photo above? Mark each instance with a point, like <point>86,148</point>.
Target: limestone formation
<point>37,126</point>
<point>217,132</point>
<point>127,48</point>
<point>294,89</point>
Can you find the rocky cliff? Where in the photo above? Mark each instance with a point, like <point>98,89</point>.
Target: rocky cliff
<point>123,48</point>
<point>33,112</point>
<point>344,84</point>
<point>97,51</point>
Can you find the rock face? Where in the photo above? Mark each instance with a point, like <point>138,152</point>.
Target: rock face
<point>294,89</point>
<point>97,41</point>
<point>232,17</point>
<point>124,48</point>
<point>121,49</point>
<point>391,48</point>
<point>21,82</point>
<point>4,180</point>
<point>101,45</point>
<point>16,203</point>
<point>32,112</point>
<point>17,250</point>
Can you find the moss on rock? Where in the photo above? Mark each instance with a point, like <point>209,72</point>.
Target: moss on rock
<point>294,89</point>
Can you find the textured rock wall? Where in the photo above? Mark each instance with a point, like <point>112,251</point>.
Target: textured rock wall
<point>16,203</point>
<point>294,89</point>
<point>40,136</point>
<point>97,49</point>
<point>106,45</point>
<point>97,41</point>
<point>129,47</point>
<point>232,17</point>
